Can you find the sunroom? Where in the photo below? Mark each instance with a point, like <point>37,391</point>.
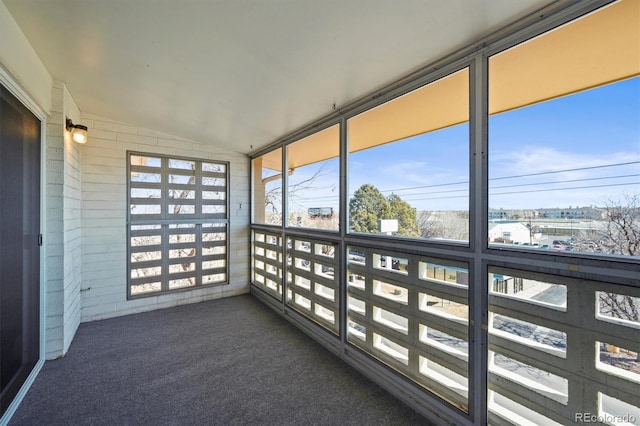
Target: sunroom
<point>443,195</point>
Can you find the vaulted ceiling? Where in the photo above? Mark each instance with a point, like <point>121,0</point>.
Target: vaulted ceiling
<point>240,74</point>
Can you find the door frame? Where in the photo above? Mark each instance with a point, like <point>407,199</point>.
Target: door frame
<point>16,90</point>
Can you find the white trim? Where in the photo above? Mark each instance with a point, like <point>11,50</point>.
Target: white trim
<point>13,407</point>
<point>43,232</point>
<point>7,80</point>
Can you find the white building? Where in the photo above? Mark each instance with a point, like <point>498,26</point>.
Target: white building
<point>509,232</point>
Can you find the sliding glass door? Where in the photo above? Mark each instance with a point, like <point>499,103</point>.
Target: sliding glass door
<point>20,243</point>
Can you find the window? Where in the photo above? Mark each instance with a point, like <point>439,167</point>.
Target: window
<point>564,137</point>
<point>313,180</point>
<point>409,163</point>
<point>267,188</point>
<point>177,223</point>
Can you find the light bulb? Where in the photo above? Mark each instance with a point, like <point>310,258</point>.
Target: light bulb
<point>79,135</point>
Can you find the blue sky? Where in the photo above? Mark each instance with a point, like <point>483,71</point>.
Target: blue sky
<point>578,135</point>
<point>587,143</point>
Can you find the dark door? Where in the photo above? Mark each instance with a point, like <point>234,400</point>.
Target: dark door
<point>19,245</point>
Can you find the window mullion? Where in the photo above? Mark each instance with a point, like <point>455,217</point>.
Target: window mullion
<point>198,230</point>
<point>164,185</point>
<point>164,274</point>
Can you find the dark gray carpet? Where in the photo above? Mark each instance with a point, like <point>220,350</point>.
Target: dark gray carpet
<point>225,362</point>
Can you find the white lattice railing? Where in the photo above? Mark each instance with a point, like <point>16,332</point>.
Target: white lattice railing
<point>312,281</point>
<point>560,350</point>
<point>411,313</point>
<point>267,262</point>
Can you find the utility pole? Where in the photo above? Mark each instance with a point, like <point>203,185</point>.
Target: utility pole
<point>571,223</point>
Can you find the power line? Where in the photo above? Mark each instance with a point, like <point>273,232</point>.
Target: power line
<point>565,181</point>
<point>516,176</point>
<point>406,197</point>
<point>568,170</point>
<point>563,189</point>
<point>531,191</point>
<point>335,197</point>
<point>440,198</point>
<point>521,192</point>
<point>426,186</point>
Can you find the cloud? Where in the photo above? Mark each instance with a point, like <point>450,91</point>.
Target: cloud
<point>404,165</point>
<point>548,177</point>
<point>408,173</point>
<point>542,159</point>
<point>355,165</point>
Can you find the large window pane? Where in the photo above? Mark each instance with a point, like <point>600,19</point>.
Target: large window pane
<point>313,182</point>
<point>564,138</point>
<point>409,163</point>
<point>267,188</point>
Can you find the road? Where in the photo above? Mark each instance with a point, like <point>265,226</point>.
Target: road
<point>554,295</point>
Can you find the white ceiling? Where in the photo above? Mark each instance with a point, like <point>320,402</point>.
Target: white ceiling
<point>242,73</point>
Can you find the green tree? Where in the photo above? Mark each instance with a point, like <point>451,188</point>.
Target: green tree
<point>365,209</point>
<point>368,206</point>
<point>399,209</point>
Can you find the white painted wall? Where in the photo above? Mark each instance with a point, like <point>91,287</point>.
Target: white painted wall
<point>21,61</point>
<point>104,183</point>
<point>63,228</point>
<point>61,192</point>
<point>85,201</point>
<point>72,226</point>
<point>53,236</point>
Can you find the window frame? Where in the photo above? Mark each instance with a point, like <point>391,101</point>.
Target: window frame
<point>603,272</point>
<point>172,224</point>
<point>457,66</point>
<point>285,178</point>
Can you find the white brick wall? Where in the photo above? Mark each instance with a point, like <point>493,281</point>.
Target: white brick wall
<point>63,273</point>
<point>104,245</point>
<point>53,238</point>
<point>72,226</point>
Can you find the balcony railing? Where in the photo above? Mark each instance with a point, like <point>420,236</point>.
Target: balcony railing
<point>556,350</point>
<point>411,313</point>
<point>560,348</point>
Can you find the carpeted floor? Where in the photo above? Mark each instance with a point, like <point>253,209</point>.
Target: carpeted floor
<point>225,362</point>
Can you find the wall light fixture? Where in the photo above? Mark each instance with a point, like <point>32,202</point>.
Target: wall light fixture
<point>78,131</point>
